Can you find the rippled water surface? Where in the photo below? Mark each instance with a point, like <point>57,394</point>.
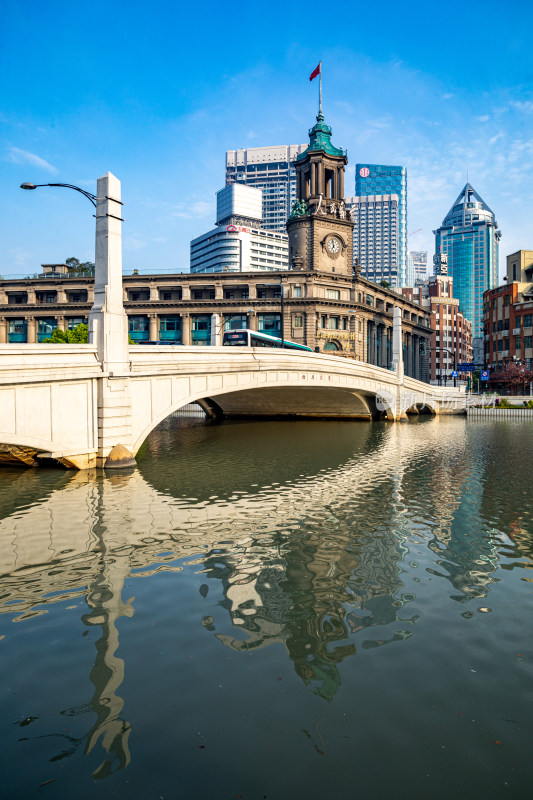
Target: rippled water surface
<point>273,610</point>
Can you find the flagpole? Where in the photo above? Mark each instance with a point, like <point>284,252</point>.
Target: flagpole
<point>320,90</point>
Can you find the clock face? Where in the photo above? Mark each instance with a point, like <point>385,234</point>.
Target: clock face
<point>333,246</point>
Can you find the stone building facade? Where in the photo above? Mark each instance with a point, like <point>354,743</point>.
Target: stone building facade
<point>451,340</point>
<point>341,314</point>
<point>508,316</point>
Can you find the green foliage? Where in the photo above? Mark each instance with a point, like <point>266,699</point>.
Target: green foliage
<point>79,335</point>
<point>385,284</point>
<point>76,265</point>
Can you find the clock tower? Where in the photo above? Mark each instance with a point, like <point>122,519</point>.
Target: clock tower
<point>320,227</point>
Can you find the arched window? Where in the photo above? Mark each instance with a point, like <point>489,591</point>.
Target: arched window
<point>331,346</point>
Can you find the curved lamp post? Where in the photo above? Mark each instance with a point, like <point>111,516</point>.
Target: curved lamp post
<point>91,197</point>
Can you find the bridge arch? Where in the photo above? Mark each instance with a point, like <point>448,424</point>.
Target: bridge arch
<point>285,400</point>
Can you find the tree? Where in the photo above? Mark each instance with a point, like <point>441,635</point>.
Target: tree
<point>76,265</point>
<point>385,284</point>
<point>515,376</point>
<point>79,335</point>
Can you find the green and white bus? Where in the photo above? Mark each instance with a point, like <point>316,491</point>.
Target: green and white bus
<point>244,337</point>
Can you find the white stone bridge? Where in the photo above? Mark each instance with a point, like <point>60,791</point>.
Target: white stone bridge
<point>76,403</point>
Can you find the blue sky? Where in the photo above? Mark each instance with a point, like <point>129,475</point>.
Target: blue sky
<point>157,92</point>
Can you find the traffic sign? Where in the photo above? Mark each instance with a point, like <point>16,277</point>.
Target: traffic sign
<point>470,364</point>
<point>466,367</point>
<point>455,374</point>
<point>484,374</point>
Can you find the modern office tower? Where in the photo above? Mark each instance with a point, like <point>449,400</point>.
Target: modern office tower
<point>469,236</point>
<point>380,179</point>
<point>418,263</point>
<point>375,236</point>
<point>239,243</point>
<point>270,169</point>
<point>242,204</point>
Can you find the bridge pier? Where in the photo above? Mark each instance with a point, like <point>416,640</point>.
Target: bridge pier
<point>108,324</point>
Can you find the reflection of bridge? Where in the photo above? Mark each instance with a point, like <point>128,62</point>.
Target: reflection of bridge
<point>75,403</point>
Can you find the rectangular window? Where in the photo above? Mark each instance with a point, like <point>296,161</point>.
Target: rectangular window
<point>245,294</point>
<point>518,322</point>
<point>323,321</point>
<point>261,294</point>
<point>527,320</point>
<point>269,323</point>
<point>528,341</point>
<point>297,321</point>
<point>333,323</point>
<point>296,291</point>
<point>333,294</point>
<point>369,300</point>
<point>197,295</point>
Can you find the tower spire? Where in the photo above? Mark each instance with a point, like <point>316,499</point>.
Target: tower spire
<point>320,88</point>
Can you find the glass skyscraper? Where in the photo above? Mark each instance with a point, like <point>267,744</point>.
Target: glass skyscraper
<point>469,236</point>
<point>380,179</point>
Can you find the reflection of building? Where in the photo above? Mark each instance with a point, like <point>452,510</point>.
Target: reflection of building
<point>508,315</point>
<point>239,243</point>
<point>270,169</point>
<point>469,236</point>
<point>375,236</point>
<point>336,313</point>
<point>382,179</point>
<point>451,340</point>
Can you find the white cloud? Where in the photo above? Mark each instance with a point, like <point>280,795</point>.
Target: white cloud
<point>17,156</point>
<point>483,118</point>
<point>193,210</point>
<point>19,256</point>
<point>526,106</point>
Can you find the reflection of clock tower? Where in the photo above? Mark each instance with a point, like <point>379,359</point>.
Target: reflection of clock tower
<point>320,226</point>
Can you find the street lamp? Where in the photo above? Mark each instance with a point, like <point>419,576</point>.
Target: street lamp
<point>445,350</point>
<point>91,197</point>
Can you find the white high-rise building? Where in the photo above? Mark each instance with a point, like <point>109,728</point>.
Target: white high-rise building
<point>270,169</point>
<point>239,243</point>
<point>375,236</point>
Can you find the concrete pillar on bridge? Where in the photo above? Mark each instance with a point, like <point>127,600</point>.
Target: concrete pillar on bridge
<point>108,330</point>
<point>397,344</point>
<point>108,323</point>
<point>31,296</point>
<point>251,321</point>
<point>61,323</point>
<point>154,292</point>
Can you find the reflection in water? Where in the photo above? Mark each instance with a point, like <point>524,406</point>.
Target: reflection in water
<point>105,601</point>
<point>316,536</point>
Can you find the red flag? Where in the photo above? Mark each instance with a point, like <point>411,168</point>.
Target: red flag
<point>315,72</point>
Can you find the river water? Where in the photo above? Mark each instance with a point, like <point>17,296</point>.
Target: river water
<point>273,610</point>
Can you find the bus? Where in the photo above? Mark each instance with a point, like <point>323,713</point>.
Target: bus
<point>243,337</point>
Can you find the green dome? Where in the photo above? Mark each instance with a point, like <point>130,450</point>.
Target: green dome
<point>320,139</point>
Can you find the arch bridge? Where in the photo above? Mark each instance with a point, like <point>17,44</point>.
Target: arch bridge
<point>94,405</point>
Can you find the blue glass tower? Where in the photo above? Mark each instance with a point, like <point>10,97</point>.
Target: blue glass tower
<point>470,238</point>
<point>379,179</point>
